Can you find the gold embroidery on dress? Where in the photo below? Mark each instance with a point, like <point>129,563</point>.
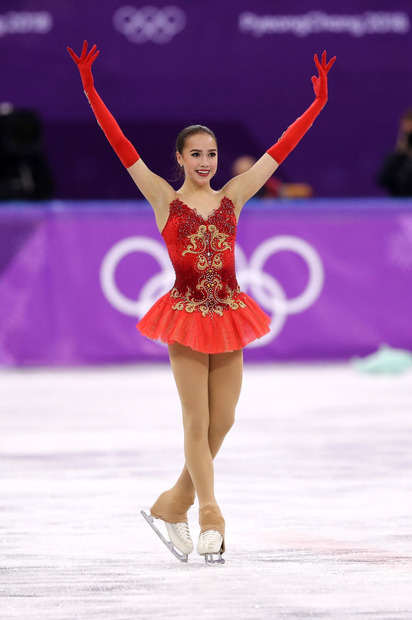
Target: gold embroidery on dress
<point>208,243</point>
<point>200,241</point>
<point>210,303</point>
<point>198,236</point>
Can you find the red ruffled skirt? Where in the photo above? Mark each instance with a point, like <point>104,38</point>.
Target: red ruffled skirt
<point>207,334</point>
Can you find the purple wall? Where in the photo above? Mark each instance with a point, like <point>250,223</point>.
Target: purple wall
<point>242,67</point>
<point>334,275</point>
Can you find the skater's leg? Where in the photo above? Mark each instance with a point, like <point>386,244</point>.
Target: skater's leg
<point>209,388</point>
<point>225,381</point>
<point>224,384</point>
<point>191,373</point>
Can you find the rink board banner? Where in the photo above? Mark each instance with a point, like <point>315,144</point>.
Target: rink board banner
<point>335,277</point>
<point>243,67</point>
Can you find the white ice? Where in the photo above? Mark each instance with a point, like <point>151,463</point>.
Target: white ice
<point>314,481</point>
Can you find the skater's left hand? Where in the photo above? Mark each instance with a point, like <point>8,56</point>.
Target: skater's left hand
<point>320,84</point>
<point>84,64</point>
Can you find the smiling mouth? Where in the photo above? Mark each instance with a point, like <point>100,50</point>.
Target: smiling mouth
<point>203,173</point>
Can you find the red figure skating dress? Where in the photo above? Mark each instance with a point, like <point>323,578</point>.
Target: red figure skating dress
<point>205,310</point>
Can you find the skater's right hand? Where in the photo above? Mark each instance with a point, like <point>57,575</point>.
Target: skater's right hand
<point>320,83</point>
<point>84,64</point>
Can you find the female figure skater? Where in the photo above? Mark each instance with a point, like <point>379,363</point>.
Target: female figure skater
<point>205,319</point>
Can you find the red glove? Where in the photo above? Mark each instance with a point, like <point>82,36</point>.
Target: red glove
<point>124,149</point>
<point>295,132</point>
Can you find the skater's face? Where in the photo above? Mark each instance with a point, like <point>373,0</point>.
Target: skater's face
<point>199,158</point>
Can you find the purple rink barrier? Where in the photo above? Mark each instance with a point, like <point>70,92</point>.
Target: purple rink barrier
<point>335,275</point>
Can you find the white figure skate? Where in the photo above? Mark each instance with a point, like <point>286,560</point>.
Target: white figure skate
<point>210,545</point>
<point>180,543</point>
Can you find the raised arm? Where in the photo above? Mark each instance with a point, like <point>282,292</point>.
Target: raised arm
<point>155,189</point>
<point>244,186</point>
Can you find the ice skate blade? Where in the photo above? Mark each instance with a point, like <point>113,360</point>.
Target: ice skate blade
<point>210,558</point>
<point>182,557</point>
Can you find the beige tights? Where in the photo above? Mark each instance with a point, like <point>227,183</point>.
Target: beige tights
<point>209,388</point>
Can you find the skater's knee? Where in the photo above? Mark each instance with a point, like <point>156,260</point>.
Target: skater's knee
<point>222,421</point>
<point>196,432</point>
<point>196,426</point>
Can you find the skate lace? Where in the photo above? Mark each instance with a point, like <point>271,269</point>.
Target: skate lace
<point>210,536</point>
<point>183,531</point>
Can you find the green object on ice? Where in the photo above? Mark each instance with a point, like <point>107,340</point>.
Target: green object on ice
<point>386,361</point>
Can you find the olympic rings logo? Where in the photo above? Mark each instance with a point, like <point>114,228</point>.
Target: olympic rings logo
<point>149,23</point>
<point>251,275</point>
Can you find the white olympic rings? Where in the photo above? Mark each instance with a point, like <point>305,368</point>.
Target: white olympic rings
<point>149,23</point>
<point>264,288</point>
<point>152,290</point>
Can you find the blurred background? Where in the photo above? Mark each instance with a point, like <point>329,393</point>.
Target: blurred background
<point>326,246</point>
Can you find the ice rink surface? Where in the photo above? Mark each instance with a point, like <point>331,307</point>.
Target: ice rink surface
<point>314,481</point>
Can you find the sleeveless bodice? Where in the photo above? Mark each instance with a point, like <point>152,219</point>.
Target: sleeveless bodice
<point>203,257</point>
<point>205,310</point>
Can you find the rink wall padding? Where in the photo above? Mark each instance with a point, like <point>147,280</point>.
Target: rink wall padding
<point>334,275</point>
